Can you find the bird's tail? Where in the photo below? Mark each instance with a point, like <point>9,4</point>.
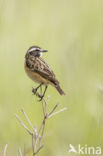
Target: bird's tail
<point>61,92</point>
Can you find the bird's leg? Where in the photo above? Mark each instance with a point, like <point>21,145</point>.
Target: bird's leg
<point>35,90</point>
<point>43,93</point>
<point>40,90</point>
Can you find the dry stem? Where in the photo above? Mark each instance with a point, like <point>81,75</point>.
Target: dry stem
<point>37,134</point>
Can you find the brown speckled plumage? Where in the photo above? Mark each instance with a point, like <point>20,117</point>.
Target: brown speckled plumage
<point>38,70</point>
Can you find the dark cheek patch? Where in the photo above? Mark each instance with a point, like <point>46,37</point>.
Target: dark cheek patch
<point>38,55</point>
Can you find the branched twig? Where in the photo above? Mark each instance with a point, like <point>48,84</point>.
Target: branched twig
<point>61,110</point>
<point>23,125</point>
<point>39,149</point>
<point>52,110</point>
<point>27,118</point>
<point>37,134</point>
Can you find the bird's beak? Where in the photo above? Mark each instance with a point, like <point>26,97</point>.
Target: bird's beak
<point>43,51</point>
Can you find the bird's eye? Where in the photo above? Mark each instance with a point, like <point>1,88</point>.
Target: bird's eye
<point>31,53</point>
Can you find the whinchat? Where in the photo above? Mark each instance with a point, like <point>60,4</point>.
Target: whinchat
<point>39,71</point>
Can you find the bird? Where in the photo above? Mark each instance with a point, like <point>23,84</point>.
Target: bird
<point>39,71</point>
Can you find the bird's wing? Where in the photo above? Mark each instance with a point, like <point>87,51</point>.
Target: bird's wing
<point>42,68</point>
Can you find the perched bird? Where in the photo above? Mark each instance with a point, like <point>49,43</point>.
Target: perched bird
<point>39,71</point>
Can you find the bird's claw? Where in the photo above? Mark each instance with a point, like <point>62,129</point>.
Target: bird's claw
<point>41,98</point>
<point>34,90</point>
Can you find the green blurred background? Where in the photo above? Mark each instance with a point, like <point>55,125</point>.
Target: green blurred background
<point>72,31</point>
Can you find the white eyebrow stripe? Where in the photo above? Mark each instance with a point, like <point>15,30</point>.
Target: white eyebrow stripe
<point>32,49</point>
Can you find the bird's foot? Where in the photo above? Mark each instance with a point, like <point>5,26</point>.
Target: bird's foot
<point>34,90</point>
<point>41,98</point>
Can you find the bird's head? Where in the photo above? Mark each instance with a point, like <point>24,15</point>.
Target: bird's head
<point>35,51</point>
